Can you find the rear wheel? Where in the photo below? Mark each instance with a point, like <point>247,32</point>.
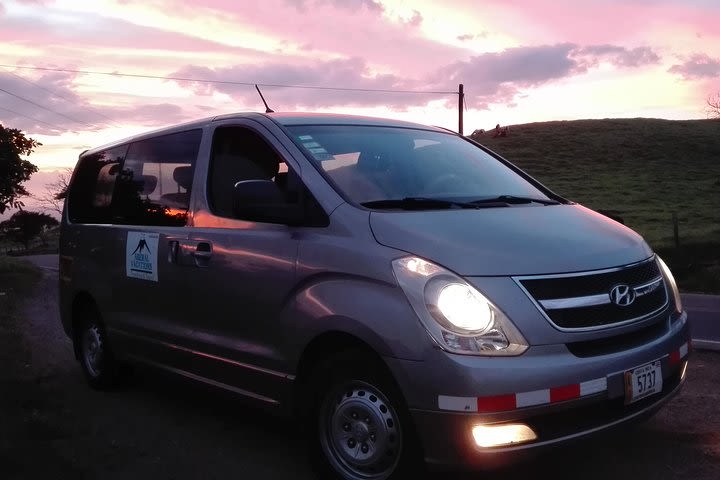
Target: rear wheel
<point>98,364</point>
<point>359,422</point>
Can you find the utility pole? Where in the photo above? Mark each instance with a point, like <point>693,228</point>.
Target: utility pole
<point>461,104</point>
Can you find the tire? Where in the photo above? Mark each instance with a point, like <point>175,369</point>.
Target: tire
<point>101,370</point>
<point>358,422</point>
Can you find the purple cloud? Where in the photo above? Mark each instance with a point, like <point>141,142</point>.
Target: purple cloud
<point>352,5</point>
<point>416,20</point>
<point>697,67</point>
<point>499,77</point>
<point>471,36</point>
<point>619,56</point>
<point>347,73</point>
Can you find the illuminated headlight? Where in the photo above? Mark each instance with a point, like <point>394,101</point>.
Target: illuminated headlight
<point>464,308</point>
<point>457,316</point>
<point>673,285</point>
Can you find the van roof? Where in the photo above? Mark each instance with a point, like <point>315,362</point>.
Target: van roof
<point>290,119</point>
<point>282,118</point>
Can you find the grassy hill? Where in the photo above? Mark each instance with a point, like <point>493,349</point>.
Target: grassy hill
<point>647,169</point>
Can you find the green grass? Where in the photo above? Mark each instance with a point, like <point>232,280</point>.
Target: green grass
<point>17,277</point>
<point>646,169</point>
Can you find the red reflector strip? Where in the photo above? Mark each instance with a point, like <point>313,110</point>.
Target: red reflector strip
<point>674,357</point>
<point>679,354</point>
<point>568,392</point>
<point>512,401</point>
<point>499,403</point>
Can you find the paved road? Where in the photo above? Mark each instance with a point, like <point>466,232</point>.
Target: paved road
<point>703,310</point>
<point>48,262</point>
<point>704,314</point>
<point>53,426</point>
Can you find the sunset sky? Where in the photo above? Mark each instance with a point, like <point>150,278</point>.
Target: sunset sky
<point>520,61</point>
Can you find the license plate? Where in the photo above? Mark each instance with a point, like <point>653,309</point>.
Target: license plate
<point>641,382</point>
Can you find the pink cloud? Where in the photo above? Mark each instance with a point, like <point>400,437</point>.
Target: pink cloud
<point>333,28</point>
<point>49,105</point>
<point>594,21</point>
<point>91,31</point>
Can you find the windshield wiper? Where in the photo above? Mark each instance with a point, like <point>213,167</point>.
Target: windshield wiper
<point>514,199</point>
<point>424,203</point>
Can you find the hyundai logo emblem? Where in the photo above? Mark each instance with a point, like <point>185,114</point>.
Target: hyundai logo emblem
<point>622,295</point>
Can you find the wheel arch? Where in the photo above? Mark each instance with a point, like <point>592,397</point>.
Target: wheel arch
<point>82,304</point>
<point>324,346</point>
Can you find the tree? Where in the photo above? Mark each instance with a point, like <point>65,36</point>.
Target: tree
<point>54,196</point>
<point>713,105</point>
<point>13,169</point>
<point>23,226</point>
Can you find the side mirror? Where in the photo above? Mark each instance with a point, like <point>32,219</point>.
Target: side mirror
<point>262,201</point>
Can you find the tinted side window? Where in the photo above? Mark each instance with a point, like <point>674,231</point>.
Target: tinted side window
<point>91,192</point>
<point>153,187</point>
<point>241,154</point>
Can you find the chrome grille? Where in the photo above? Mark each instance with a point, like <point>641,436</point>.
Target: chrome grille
<point>583,300</point>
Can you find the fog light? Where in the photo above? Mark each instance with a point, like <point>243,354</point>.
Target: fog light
<point>684,371</point>
<point>497,435</point>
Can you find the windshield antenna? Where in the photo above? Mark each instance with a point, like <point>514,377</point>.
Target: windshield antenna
<point>267,109</point>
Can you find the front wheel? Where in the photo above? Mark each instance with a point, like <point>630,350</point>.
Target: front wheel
<point>362,430</point>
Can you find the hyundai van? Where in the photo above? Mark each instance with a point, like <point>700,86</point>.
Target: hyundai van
<point>405,292</point>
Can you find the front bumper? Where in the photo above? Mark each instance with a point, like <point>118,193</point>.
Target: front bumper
<point>449,394</point>
<point>447,439</point>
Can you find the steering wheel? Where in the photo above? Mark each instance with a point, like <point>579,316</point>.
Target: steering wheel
<point>446,180</point>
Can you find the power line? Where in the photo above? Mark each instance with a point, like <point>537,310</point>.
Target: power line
<point>33,119</point>
<point>229,82</point>
<point>45,108</point>
<point>55,94</point>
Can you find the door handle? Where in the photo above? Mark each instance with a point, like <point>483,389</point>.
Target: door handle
<point>202,253</point>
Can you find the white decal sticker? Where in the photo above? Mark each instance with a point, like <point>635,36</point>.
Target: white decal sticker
<point>141,254</point>
<point>311,145</point>
<point>305,137</point>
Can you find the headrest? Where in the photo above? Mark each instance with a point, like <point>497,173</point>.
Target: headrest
<point>183,176</point>
<point>147,184</point>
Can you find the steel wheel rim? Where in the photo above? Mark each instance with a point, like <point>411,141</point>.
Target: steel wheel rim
<point>360,432</point>
<point>92,350</point>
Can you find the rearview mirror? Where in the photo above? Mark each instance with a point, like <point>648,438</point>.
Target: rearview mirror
<point>262,201</point>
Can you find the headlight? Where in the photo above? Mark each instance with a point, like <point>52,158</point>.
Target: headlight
<point>671,281</point>
<point>457,316</point>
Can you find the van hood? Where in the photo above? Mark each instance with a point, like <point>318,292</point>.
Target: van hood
<point>516,240</point>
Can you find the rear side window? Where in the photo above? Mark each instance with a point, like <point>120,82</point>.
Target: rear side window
<point>154,185</point>
<point>147,183</point>
<point>90,196</point>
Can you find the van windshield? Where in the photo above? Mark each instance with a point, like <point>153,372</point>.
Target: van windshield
<point>392,167</point>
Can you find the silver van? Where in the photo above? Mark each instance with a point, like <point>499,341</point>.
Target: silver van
<point>405,292</point>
